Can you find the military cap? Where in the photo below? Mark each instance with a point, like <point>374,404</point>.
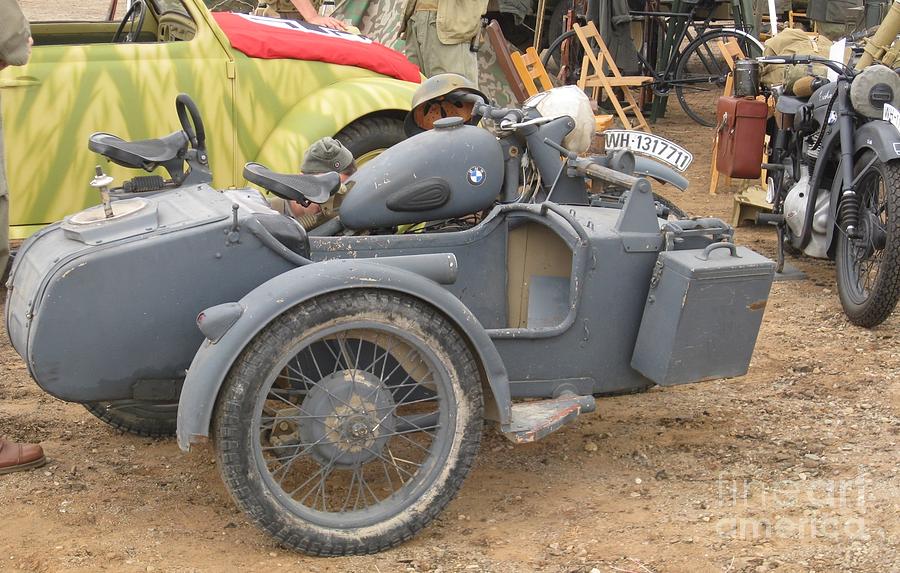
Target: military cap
<point>326,154</point>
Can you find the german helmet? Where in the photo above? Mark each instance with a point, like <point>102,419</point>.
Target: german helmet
<point>442,96</point>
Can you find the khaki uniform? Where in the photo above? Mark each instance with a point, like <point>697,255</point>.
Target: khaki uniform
<point>835,17</point>
<point>14,34</point>
<point>438,34</point>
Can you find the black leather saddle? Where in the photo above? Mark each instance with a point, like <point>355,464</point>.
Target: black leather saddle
<point>301,188</point>
<point>143,154</point>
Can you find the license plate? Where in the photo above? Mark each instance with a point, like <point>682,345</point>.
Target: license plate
<point>892,115</point>
<point>650,145</point>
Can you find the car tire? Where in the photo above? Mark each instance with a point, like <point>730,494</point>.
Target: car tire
<point>369,136</point>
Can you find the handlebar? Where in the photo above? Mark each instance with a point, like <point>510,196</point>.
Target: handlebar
<point>838,67</point>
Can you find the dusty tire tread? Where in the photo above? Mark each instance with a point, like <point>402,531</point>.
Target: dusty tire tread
<point>235,467</point>
<point>887,287</point>
<point>147,428</point>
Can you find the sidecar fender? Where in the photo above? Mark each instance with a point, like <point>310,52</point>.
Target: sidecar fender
<point>259,307</point>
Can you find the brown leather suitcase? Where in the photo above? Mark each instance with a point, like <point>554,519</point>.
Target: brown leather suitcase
<point>741,126</point>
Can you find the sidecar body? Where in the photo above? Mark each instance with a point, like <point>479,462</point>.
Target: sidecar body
<point>344,377</point>
<point>559,303</point>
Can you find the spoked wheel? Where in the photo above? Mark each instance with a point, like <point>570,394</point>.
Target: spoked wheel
<point>139,417</point>
<point>562,58</point>
<point>350,422</point>
<point>702,70</point>
<point>868,267</point>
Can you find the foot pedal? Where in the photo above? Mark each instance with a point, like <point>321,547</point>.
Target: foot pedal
<point>531,421</point>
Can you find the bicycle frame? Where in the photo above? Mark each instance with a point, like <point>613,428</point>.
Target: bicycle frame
<point>664,81</point>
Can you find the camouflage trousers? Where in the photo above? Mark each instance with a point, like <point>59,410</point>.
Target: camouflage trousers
<point>425,49</point>
<point>4,211</point>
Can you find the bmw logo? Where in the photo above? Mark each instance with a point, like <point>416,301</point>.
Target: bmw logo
<point>476,175</point>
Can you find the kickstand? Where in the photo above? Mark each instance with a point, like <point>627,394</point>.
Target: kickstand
<point>785,271</point>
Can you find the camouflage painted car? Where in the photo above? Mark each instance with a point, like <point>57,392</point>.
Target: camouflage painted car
<point>79,81</point>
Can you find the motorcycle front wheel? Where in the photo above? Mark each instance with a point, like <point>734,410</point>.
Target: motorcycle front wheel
<point>868,267</point>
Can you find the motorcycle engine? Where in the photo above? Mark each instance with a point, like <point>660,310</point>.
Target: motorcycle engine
<point>795,205</point>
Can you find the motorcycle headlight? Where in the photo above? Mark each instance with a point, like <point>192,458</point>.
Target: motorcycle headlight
<point>874,87</point>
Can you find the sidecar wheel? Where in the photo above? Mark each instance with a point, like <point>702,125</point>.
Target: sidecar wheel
<point>349,422</point>
<point>149,419</point>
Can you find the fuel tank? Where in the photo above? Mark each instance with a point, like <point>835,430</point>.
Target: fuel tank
<point>449,171</point>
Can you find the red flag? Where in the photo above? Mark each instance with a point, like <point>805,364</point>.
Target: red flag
<point>273,38</point>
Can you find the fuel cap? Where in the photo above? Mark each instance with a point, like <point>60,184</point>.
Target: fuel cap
<point>448,122</point>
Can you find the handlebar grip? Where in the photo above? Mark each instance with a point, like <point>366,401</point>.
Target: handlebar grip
<point>189,117</point>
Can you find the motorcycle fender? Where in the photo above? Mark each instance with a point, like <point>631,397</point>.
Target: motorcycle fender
<point>259,307</point>
<point>883,139</point>
<point>660,172</point>
<point>879,136</point>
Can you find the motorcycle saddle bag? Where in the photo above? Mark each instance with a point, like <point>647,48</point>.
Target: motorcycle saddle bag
<point>741,124</point>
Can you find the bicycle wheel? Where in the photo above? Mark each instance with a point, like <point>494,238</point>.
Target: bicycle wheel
<point>702,70</point>
<point>564,69</point>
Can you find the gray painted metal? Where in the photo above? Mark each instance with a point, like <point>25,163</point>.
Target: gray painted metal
<point>272,298</point>
<point>656,170</point>
<point>97,321</point>
<point>462,173</point>
<point>134,287</point>
<point>702,314</point>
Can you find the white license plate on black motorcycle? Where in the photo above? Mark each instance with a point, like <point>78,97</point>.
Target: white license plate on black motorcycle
<point>654,146</point>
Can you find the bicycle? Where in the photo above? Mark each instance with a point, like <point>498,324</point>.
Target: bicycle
<point>697,73</point>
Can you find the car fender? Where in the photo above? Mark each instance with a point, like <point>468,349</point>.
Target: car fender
<point>883,139</point>
<point>260,306</point>
<point>325,112</point>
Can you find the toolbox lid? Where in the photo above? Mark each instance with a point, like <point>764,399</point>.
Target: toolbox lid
<point>717,260</point>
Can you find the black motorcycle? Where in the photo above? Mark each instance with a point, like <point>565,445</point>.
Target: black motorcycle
<point>834,181</point>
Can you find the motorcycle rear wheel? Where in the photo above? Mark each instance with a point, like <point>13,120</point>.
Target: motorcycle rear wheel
<point>868,268</point>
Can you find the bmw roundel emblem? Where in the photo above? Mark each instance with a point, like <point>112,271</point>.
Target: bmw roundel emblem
<point>476,175</point>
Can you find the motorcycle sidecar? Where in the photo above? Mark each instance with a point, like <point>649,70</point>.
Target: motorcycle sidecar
<point>343,384</point>
<point>344,379</point>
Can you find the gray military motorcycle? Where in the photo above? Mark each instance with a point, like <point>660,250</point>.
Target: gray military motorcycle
<point>834,181</point>
<point>344,379</point>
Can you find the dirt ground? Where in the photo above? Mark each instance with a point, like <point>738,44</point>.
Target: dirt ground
<point>793,467</point>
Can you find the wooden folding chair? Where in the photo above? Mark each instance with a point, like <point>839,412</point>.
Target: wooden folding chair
<point>731,53</point>
<point>531,70</point>
<point>535,79</point>
<point>504,60</point>
<point>593,75</point>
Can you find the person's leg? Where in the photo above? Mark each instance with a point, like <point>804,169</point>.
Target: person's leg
<point>4,212</point>
<point>413,48</point>
<point>440,58</point>
<point>16,457</point>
